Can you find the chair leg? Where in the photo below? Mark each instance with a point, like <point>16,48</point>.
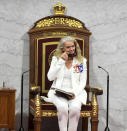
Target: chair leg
<point>31,125</point>
<point>37,124</point>
<point>85,124</point>
<point>94,123</point>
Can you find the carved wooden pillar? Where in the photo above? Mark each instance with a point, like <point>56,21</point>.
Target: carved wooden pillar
<point>37,115</point>
<point>94,118</point>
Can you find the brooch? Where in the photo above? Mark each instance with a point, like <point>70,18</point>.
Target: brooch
<point>78,68</point>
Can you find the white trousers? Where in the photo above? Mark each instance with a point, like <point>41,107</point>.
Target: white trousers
<point>68,112</point>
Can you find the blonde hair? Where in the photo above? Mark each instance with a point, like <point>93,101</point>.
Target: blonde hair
<point>60,46</point>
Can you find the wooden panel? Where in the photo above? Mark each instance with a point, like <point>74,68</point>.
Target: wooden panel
<point>4,109</point>
<point>7,108</point>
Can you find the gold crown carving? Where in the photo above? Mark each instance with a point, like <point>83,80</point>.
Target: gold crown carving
<point>59,9</point>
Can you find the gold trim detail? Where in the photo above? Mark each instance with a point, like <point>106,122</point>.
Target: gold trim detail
<point>59,9</point>
<point>94,105</point>
<point>49,113</point>
<point>97,88</point>
<point>48,22</point>
<point>59,33</point>
<point>37,106</point>
<point>43,65</point>
<point>36,63</point>
<point>85,113</point>
<point>54,113</point>
<point>33,88</point>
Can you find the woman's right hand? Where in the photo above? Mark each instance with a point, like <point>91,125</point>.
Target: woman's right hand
<point>64,56</point>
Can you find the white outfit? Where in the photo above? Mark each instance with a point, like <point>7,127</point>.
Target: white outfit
<point>66,84</point>
<point>72,80</point>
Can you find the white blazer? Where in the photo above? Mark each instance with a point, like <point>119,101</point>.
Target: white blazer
<point>79,76</point>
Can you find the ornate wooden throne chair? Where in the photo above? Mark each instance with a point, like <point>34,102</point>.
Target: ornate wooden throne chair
<point>44,37</point>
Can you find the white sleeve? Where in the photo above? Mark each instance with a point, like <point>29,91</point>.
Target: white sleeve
<point>56,65</point>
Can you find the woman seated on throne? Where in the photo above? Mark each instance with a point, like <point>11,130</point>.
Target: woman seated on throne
<point>68,71</point>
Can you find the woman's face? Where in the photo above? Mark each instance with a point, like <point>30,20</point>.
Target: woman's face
<point>69,47</point>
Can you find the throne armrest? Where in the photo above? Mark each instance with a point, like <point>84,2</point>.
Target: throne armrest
<point>95,90</point>
<point>36,105</point>
<point>34,90</point>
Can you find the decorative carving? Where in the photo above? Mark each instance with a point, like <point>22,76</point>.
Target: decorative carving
<point>49,113</point>
<point>85,113</point>
<point>59,33</point>
<point>48,22</point>
<point>38,106</point>
<point>59,9</point>
<point>35,90</point>
<point>97,88</point>
<point>94,105</point>
<point>54,113</point>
